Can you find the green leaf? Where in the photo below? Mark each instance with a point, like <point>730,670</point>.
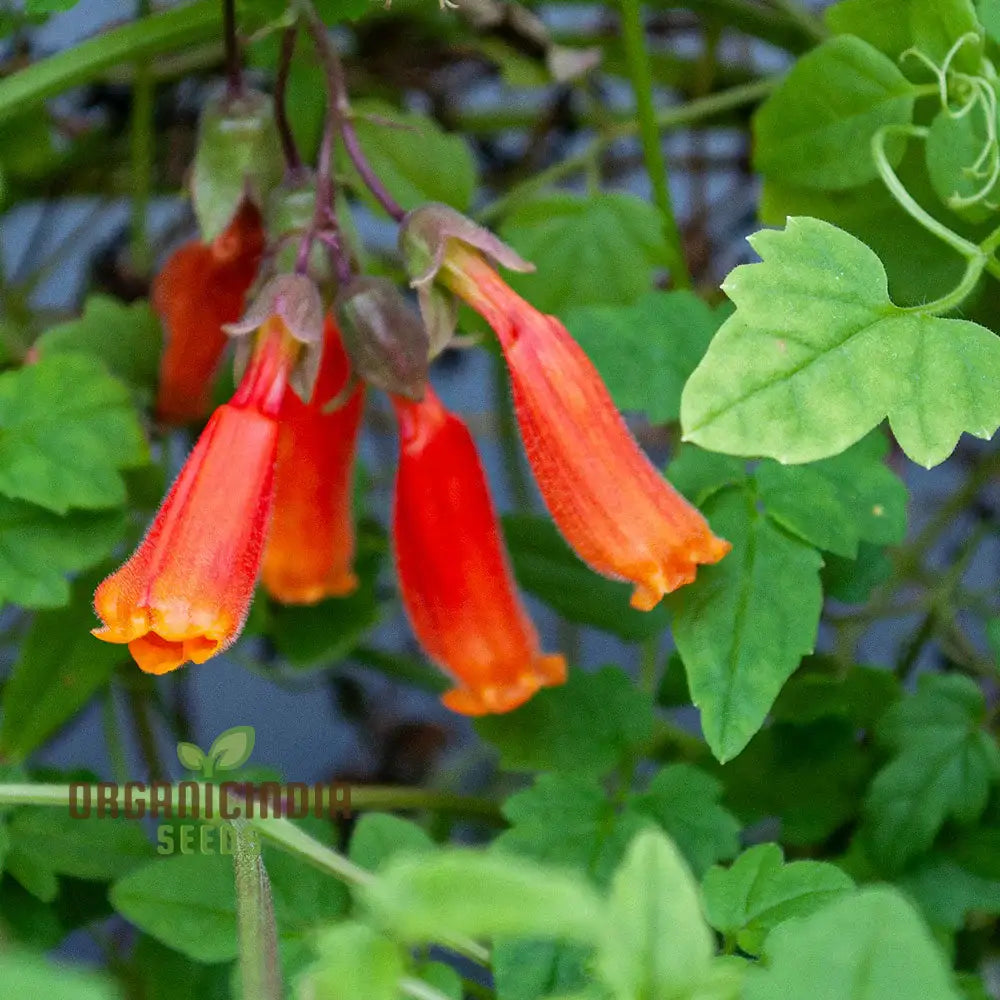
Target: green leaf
<point>231,749</point>
<point>657,943</point>
<point>547,567</point>
<point>953,147</point>
<point>38,548</point>
<point>583,726</point>
<point>893,26</point>
<point>66,431</point>
<point>988,12</point>
<point>599,250</point>
<point>740,640</point>
<point>354,961</point>
<point>685,802</point>
<point>24,975</point>
<point>698,473</point>
<point>811,777</point>
<point>816,129</point>
<point>462,893</point>
<point>569,821</point>
<point>817,355</point>
<point>853,580</point>
<point>415,159</point>
<point>95,848</point>
<point>868,946</point>
<point>238,153</point>
<point>646,351</point>
<point>944,766</point>
<point>33,8</point>
<point>58,670</point>
<point>532,970</point>
<point>125,338</point>
<point>166,975</point>
<point>861,695</point>
<point>760,891</point>
<point>947,892</point>
<point>187,902</point>
<point>380,837</point>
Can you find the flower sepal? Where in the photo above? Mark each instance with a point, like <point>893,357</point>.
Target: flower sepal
<point>295,300</point>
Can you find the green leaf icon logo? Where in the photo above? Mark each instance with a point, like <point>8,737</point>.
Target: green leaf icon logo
<point>232,748</point>
<point>191,756</point>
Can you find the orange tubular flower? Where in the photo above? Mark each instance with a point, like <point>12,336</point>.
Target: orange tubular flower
<point>310,548</point>
<point>186,591</point>
<point>201,287</point>
<point>453,572</point>
<point>613,507</point>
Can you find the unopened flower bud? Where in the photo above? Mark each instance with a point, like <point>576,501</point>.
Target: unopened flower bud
<point>385,340</point>
<point>238,156</point>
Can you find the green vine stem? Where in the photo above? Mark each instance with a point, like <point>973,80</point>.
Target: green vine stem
<point>174,29</point>
<point>634,37</point>
<point>142,152</point>
<point>282,833</point>
<point>260,970</point>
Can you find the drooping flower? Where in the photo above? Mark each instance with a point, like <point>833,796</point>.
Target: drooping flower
<point>454,577</point>
<point>200,289</point>
<point>612,506</point>
<point>185,592</point>
<point>310,547</point>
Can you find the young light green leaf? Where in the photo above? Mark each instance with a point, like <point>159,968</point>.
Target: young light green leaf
<point>646,351</point>
<point>944,766</point>
<point>415,159</point>
<point>868,946</point>
<point>462,893</point>
<point>599,250</point>
<point>893,26</point>
<point>583,726</point>
<point>23,974</point>
<point>231,749</point>
<point>656,943</point>
<point>380,837</point>
<point>38,549</point>
<point>817,355</point>
<point>354,961</point>
<point>685,802</point>
<point>66,430</point>
<point>760,891</point>
<point>739,635</point>
<point>816,129</point>
<point>187,901</point>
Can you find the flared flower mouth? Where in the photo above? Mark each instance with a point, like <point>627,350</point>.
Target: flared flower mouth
<point>547,670</point>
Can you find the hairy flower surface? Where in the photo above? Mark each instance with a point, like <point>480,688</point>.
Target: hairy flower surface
<point>202,287</point>
<point>612,506</point>
<point>185,592</point>
<point>310,547</point>
<point>454,576</point>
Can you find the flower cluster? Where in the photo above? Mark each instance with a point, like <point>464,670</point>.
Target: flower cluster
<point>266,492</point>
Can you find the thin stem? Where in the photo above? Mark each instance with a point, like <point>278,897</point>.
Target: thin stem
<point>905,199</point>
<point>234,69</point>
<point>811,25</point>
<point>322,213</point>
<point>683,114</point>
<point>142,153</point>
<point>139,706</point>
<point>410,986</point>
<point>649,661</point>
<point>340,106</point>
<point>954,298</point>
<point>112,736</point>
<point>637,57</point>
<point>401,798</point>
<point>260,969</point>
<point>291,151</point>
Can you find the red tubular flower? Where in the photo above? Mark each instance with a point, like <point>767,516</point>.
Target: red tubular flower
<point>613,507</point>
<point>185,592</point>
<point>201,287</point>
<point>454,577</point>
<point>310,547</point>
